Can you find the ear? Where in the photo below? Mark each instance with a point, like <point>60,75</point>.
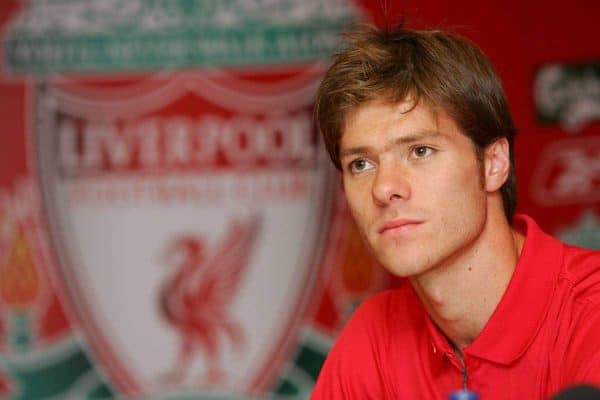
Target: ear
<point>496,164</point>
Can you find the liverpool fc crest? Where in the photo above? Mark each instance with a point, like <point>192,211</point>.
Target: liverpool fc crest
<point>189,230</point>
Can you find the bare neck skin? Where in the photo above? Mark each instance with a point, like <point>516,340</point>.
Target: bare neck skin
<point>461,295</point>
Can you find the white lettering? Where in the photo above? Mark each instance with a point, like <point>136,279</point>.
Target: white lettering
<point>237,139</point>
<point>185,142</point>
<point>206,134</point>
<point>178,148</point>
<point>581,176</point>
<point>148,132</point>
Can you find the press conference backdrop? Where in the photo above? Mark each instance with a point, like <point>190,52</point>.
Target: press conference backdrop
<point>169,223</point>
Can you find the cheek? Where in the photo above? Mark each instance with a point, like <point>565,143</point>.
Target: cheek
<point>469,172</point>
<point>459,189</point>
<point>466,201</point>
<point>358,209</point>
<point>360,204</point>
<point>357,192</point>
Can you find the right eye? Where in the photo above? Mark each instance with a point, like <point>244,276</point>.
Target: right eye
<point>360,165</point>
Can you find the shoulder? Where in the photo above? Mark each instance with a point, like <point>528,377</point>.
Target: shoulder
<point>386,311</point>
<point>362,358</point>
<point>582,349</point>
<point>577,269</point>
<point>581,315</point>
<point>581,269</point>
<point>370,322</point>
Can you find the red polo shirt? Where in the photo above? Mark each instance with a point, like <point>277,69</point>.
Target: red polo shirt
<point>543,336</point>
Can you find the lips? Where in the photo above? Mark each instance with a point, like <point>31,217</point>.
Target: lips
<point>399,225</point>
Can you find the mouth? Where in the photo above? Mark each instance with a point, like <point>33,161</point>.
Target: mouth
<point>399,226</point>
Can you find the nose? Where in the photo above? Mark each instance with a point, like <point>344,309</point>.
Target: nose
<point>391,184</point>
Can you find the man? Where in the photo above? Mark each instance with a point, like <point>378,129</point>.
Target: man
<point>418,124</point>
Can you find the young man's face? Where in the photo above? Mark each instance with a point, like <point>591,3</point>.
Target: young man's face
<point>414,185</point>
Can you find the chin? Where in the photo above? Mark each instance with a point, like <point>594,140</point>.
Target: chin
<point>403,267</point>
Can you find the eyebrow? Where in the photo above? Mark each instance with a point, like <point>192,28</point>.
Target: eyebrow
<point>412,138</point>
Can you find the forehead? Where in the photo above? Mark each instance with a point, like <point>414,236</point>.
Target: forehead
<point>377,125</point>
<point>389,109</point>
<point>380,116</point>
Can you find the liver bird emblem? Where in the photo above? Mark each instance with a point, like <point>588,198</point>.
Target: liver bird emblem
<point>196,298</point>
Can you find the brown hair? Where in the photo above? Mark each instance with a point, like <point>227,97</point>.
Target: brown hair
<point>441,68</point>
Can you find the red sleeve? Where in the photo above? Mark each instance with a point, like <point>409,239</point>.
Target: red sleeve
<point>352,368</point>
<point>583,360</point>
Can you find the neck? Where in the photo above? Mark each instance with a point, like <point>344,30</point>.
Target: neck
<point>461,295</point>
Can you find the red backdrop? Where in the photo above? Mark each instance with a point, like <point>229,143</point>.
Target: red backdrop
<point>559,188</point>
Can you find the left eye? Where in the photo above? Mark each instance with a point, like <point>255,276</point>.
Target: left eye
<point>360,165</point>
<point>422,151</point>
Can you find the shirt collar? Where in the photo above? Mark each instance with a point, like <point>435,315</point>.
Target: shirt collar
<point>517,318</point>
<point>520,313</point>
